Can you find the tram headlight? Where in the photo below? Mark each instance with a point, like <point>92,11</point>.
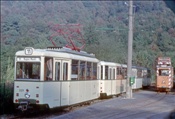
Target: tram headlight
<point>27,95</point>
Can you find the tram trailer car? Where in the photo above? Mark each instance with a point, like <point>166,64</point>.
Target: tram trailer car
<point>112,79</point>
<point>142,77</point>
<point>54,78</point>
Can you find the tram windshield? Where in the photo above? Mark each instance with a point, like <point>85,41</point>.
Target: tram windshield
<point>163,72</point>
<point>28,70</point>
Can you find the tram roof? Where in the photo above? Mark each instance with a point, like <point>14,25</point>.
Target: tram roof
<point>139,67</point>
<point>111,63</point>
<point>54,52</point>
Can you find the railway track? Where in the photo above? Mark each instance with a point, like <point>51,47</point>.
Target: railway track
<point>37,115</point>
<point>54,112</point>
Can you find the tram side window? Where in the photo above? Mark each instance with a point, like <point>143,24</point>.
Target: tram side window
<point>124,72</point>
<point>145,73</point>
<point>28,70</point>
<point>101,72</point>
<point>82,70</point>
<point>148,73</point>
<point>57,71</point>
<point>48,69</point>
<point>106,72</point>
<point>119,73</point>
<point>74,75</point>
<point>113,73</point>
<point>94,71</point>
<point>110,73</point>
<point>65,71</point>
<point>139,73</point>
<point>89,71</point>
<point>118,70</point>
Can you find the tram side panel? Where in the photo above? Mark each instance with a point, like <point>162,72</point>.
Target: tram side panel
<point>146,82</point>
<point>123,87</point>
<point>81,91</point>
<point>74,94</point>
<point>68,93</point>
<point>52,94</point>
<point>138,83</point>
<point>114,87</point>
<point>91,89</point>
<point>95,89</point>
<point>84,91</point>
<point>65,93</point>
<point>120,86</point>
<point>108,87</point>
<point>55,94</point>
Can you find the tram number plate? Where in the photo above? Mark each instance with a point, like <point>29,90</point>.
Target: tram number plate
<point>21,90</point>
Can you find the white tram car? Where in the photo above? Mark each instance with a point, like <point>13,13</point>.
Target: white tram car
<point>59,77</point>
<point>112,78</point>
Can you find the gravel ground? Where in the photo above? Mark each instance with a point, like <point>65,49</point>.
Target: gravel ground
<point>144,105</point>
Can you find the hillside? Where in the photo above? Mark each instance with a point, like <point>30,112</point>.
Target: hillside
<point>105,29</point>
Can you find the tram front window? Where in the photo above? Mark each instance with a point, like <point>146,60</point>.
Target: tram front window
<point>28,70</point>
<point>163,72</point>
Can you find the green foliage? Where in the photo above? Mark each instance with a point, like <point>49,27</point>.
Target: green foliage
<point>91,35</point>
<point>105,29</point>
<point>10,69</point>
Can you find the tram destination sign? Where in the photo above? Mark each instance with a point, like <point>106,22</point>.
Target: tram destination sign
<point>36,59</point>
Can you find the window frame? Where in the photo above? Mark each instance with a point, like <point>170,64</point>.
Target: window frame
<point>28,72</point>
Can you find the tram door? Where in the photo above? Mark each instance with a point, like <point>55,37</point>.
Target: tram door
<point>62,74</point>
<point>112,77</point>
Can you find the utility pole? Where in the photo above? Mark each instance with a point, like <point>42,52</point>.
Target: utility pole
<point>130,39</point>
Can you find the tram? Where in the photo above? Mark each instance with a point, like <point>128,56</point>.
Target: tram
<point>61,77</point>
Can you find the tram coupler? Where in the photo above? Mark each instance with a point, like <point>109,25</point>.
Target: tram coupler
<point>23,106</point>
